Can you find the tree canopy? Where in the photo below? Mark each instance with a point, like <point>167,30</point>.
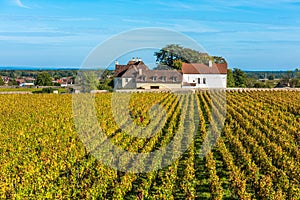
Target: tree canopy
<point>240,78</point>
<point>1,81</point>
<point>230,79</point>
<point>173,55</point>
<point>44,79</point>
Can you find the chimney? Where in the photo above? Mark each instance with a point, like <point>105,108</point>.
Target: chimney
<point>140,72</point>
<point>210,63</point>
<point>116,62</point>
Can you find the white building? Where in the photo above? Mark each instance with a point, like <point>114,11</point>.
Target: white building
<point>136,75</point>
<point>193,75</point>
<point>198,75</point>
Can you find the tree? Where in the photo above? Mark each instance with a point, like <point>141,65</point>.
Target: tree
<point>286,79</point>
<point>177,64</point>
<point>168,54</point>
<point>44,79</point>
<point>173,53</point>
<point>106,84</point>
<point>271,77</point>
<point>219,60</point>
<point>259,85</point>
<point>298,78</point>
<point>1,81</point>
<point>87,80</point>
<point>240,78</point>
<point>295,82</point>
<point>230,79</point>
<point>12,82</point>
<point>106,73</point>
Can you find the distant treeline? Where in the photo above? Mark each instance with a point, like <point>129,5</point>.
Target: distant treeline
<point>271,75</point>
<point>34,73</point>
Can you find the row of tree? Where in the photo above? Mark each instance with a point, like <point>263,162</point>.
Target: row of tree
<point>238,78</point>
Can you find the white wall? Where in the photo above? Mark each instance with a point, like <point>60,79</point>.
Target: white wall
<point>161,85</point>
<point>212,80</point>
<point>120,83</point>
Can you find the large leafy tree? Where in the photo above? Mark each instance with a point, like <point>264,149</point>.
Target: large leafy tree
<point>230,78</point>
<point>240,78</point>
<point>172,54</point>
<point>44,79</point>
<point>1,81</point>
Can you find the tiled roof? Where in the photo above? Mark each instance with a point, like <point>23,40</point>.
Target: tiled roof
<point>120,70</point>
<point>133,70</point>
<point>140,71</point>
<point>199,68</point>
<point>129,69</point>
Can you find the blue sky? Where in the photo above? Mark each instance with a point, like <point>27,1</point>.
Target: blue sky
<point>251,35</point>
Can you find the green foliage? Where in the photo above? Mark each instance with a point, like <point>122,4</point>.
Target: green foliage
<point>177,64</point>
<point>219,60</point>
<point>295,82</point>
<point>56,84</point>
<point>1,81</point>
<point>12,82</point>
<point>88,80</point>
<point>44,91</point>
<point>106,84</point>
<point>290,79</point>
<point>240,78</point>
<point>106,73</point>
<point>271,77</point>
<point>261,85</point>
<point>230,78</point>
<point>172,53</point>
<point>44,79</point>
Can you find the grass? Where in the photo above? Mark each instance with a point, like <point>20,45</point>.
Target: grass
<point>21,89</point>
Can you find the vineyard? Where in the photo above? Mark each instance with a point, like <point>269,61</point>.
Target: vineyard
<point>256,155</point>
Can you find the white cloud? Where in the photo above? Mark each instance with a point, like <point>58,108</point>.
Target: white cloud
<point>19,3</point>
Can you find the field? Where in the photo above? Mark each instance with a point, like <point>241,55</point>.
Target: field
<point>21,89</point>
<point>257,155</point>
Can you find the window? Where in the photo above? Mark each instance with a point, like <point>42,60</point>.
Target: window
<point>126,80</point>
<point>163,79</point>
<point>153,78</point>
<point>204,80</point>
<point>174,79</point>
<point>199,80</point>
<point>143,78</point>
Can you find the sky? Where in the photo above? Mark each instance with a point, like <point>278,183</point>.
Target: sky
<point>250,35</point>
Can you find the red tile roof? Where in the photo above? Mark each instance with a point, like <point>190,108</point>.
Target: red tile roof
<point>199,68</point>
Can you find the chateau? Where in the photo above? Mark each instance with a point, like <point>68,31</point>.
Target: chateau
<point>137,75</point>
